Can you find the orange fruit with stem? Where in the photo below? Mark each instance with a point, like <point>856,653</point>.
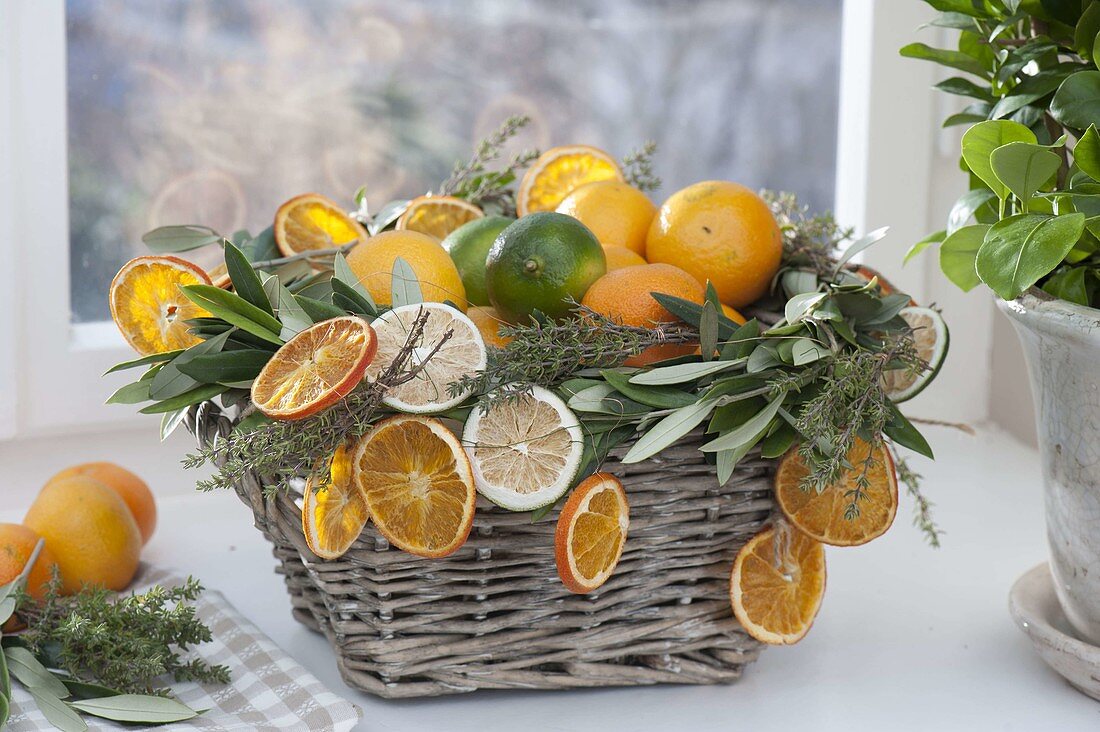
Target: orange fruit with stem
<point>591,532</point>
<point>315,369</point>
<point>719,231</point>
<point>777,584</point>
<point>616,212</point>
<point>417,483</point>
<point>438,216</point>
<point>870,485</point>
<point>625,296</point>
<point>311,222</point>
<point>334,511</point>
<point>131,489</point>
<point>149,307</point>
<point>558,172</point>
<point>91,532</point>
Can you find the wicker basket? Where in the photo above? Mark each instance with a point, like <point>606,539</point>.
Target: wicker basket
<point>494,614</point>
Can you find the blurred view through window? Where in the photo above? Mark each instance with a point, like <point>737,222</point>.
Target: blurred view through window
<point>216,111</point>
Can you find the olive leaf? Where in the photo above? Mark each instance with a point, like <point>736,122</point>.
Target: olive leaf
<point>172,239</point>
<point>235,311</point>
<point>245,281</point>
<point>136,708</point>
<point>57,712</point>
<point>144,361</point>
<point>32,674</point>
<point>680,373</point>
<point>658,397</point>
<point>292,315</point>
<point>668,430</point>
<point>200,393</point>
<point>747,432</point>
<point>404,285</point>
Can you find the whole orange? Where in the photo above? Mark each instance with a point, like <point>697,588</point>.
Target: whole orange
<point>619,257</point>
<point>488,322</point>
<point>132,489</point>
<point>623,295</point>
<point>17,542</point>
<point>732,314</point>
<point>719,231</point>
<point>90,531</point>
<point>616,212</point>
<point>372,262</point>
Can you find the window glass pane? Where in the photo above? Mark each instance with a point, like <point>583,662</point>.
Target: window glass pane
<point>215,111</point>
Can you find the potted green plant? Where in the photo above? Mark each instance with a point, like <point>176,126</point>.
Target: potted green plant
<point>1027,228</point>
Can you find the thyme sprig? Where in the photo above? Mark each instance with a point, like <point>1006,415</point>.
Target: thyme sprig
<point>126,643</point>
<point>473,181</point>
<point>810,241</point>
<point>638,166</point>
<point>547,352</point>
<point>283,451</point>
<point>922,508</point>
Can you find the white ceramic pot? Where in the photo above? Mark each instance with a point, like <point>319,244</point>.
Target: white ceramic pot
<point>1062,345</point>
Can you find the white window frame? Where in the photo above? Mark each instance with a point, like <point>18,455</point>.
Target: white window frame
<point>51,378</point>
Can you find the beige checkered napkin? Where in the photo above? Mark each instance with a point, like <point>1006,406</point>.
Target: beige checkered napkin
<point>268,691</point>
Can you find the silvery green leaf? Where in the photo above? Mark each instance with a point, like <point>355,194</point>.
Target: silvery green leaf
<point>799,281</point>
<point>859,245</point>
<point>762,358</point>
<point>170,381</point>
<point>170,239</point>
<point>807,351</point>
<point>291,314</point>
<point>726,460</point>
<point>404,285</point>
<point>802,305</point>
<point>57,712</point>
<point>170,421</point>
<point>134,393</point>
<point>681,372</point>
<point>136,708</point>
<point>749,431</point>
<point>386,215</point>
<point>144,361</point>
<point>342,271</point>
<point>591,399</point>
<point>32,674</point>
<point>708,331</point>
<point>668,430</point>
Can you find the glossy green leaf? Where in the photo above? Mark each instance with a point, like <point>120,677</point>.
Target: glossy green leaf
<point>930,240</point>
<point>1070,285</point>
<point>1024,168</point>
<point>171,239</point>
<point>1019,250</point>
<point>1084,35</point>
<point>246,282</point>
<point>954,59</point>
<point>404,285</point>
<point>136,708</point>
<point>668,430</point>
<point>236,311</point>
<point>964,209</point>
<point>1076,104</point>
<point>979,142</point>
<point>957,255</point>
<point>964,87</point>
<point>901,430</point>
<point>1086,154</point>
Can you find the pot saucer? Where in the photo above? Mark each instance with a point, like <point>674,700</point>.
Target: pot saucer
<point>1035,608</point>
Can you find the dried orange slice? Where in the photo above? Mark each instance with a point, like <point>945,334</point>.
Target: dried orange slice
<point>315,369</point>
<point>417,483</point>
<point>310,222</point>
<point>438,216</point>
<point>591,532</point>
<point>334,511</point>
<point>149,307</point>
<point>827,516</point>
<point>777,584</point>
<point>560,170</point>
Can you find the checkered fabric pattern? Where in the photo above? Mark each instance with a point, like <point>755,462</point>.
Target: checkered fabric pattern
<point>268,690</point>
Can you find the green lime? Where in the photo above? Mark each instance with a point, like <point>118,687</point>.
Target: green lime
<point>544,261</point>
<point>468,246</point>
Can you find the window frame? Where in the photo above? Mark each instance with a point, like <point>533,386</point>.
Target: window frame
<point>50,368</point>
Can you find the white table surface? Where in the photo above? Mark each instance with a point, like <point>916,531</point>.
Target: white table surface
<point>908,638</point>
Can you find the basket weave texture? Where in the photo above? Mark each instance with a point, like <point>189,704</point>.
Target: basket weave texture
<point>494,615</point>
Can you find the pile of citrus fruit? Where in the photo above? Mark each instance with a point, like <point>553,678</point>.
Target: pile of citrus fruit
<point>582,237</point>
<point>94,519</point>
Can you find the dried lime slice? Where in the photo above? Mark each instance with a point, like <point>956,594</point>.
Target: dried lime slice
<point>931,338</point>
<point>463,353</point>
<point>525,450</point>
